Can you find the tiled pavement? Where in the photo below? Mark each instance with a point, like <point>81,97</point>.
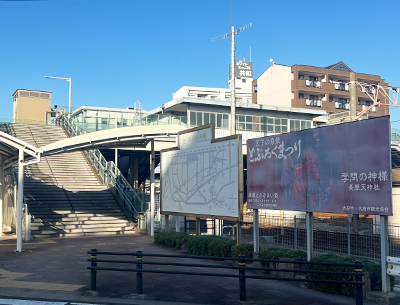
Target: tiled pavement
<point>56,269</point>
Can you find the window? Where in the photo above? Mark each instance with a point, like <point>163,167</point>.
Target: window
<point>313,78</point>
<point>331,98</point>
<point>296,125</point>
<point>341,67</point>
<point>301,76</point>
<point>255,89</point>
<point>301,95</point>
<point>206,118</point>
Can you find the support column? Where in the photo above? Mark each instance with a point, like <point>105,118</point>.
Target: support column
<point>177,223</point>
<point>152,195</point>
<point>130,173</point>
<point>20,198</point>
<point>384,253</point>
<point>256,231</point>
<point>135,173</point>
<point>310,237</point>
<point>1,194</point>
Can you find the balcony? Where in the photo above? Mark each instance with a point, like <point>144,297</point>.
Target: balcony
<point>342,86</point>
<point>342,105</point>
<point>313,83</point>
<point>368,89</point>
<point>373,109</point>
<point>313,103</point>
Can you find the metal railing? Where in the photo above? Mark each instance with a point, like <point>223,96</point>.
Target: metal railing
<point>356,238</point>
<point>108,171</point>
<point>182,268</point>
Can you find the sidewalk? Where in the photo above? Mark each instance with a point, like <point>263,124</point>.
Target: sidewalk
<point>56,269</point>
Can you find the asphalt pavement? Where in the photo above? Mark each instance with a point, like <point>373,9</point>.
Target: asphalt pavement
<point>56,270</point>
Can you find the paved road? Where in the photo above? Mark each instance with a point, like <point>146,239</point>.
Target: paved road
<point>56,270</point>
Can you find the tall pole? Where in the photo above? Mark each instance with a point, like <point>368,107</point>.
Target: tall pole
<point>70,102</point>
<point>20,198</point>
<point>152,195</point>
<point>233,97</point>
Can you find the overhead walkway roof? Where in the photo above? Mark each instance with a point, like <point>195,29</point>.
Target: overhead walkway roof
<point>132,137</point>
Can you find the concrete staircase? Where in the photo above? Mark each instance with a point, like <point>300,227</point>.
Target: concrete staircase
<point>64,194</point>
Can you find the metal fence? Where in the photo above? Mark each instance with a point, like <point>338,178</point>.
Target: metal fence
<point>359,238</point>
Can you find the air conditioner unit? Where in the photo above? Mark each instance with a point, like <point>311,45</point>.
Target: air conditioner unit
<point>373,109</point>
<point>319,103</point>
<point>308,102</point>
<point>318,84</point>
<point>364,107</point>
<point>307,82</point>
<point>337,105</point>
<point>336,86</point>
<point>347,106</point>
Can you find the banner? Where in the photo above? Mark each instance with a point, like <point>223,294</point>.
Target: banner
<point>344,168</point>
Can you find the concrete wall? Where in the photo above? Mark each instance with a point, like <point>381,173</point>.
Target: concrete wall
<point>274,86</point>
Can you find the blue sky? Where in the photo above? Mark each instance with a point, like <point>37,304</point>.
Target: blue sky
<point>120,51</point>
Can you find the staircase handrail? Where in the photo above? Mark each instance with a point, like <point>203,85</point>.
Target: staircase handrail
<point>105,168</point>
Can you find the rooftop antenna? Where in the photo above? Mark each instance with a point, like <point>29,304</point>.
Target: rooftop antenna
<point>232,34</point>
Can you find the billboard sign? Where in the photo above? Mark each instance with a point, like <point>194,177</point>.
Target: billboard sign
<point>343,168</point>
<point>242,69</point>
<point>201,177</point>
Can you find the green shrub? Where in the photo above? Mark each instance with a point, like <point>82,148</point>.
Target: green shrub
<point>277,253</point>
<point>242,249</point>
<point>170,239</point>
<point>342,289</point>
<point>209,245</point>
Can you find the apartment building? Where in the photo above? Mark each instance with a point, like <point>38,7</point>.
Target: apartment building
<point>311,87</point>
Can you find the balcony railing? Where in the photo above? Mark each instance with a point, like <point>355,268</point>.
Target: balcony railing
<point>313,83</point>
<point>342,87</point>
<point>369,90</point>
<point>342,105</point>
<point>314,103</point>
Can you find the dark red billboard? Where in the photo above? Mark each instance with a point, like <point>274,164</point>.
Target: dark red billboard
<point>344,168</point>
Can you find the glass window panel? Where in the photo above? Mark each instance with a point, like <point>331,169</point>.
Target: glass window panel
<point>192,118</point>
<point>225,123</point>
<point>308,124</point>
<point>284,122</point>
<point>291,125</point>
<point>199,117</point>
<point>284,128</point>
<point>263,127</point>
<point>206,118</point>
<point>249,126</point>
<point>249,118</point>
<point>297,125</point>
<point>277,121</point>
<point>278,128</point>
<point>270,121</point>
<point>242,118</point>
<point>263,120</point>
<point>270,128</point>
<point>219,120</point>
<point>302,125</point>
<point>241,126</point>
<point>212,118</point>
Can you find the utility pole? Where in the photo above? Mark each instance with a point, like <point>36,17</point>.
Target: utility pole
<point>233,33</point>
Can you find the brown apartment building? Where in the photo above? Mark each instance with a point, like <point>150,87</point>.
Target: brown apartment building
<point>311,87</point>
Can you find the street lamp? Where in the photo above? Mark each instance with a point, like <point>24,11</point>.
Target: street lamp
<point>68,80</point>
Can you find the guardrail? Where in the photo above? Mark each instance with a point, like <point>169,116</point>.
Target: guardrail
<point>110,173</point>
<point>241,269</point>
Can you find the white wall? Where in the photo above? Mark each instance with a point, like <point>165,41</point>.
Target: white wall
<point>274,86</point>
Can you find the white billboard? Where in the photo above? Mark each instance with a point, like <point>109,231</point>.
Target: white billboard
<point>201,176</point>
